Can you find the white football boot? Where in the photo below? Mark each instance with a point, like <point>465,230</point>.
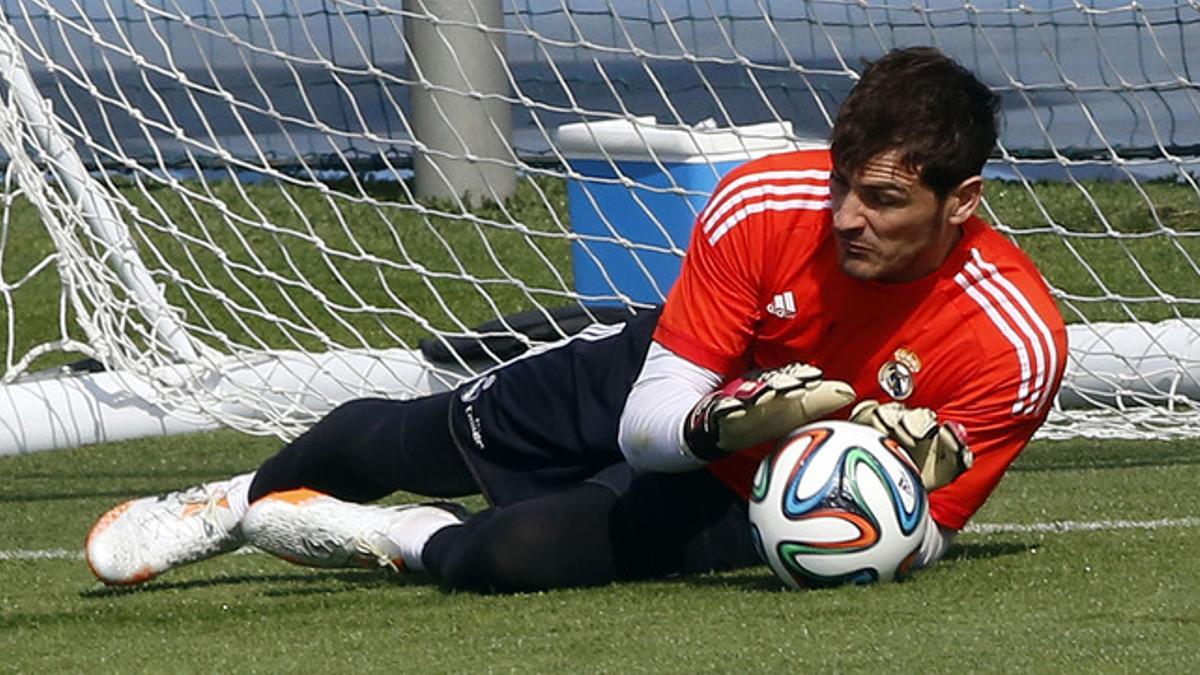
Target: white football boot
<point>311,528</point>
<point>142,538</point>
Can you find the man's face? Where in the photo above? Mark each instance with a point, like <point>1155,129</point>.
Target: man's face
<point>889,226</point>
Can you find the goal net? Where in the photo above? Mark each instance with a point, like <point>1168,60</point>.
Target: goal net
<point>242,212</point>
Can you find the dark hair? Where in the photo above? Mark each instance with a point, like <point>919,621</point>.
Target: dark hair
<point>921,103</point>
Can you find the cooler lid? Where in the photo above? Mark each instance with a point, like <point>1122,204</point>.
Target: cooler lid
<point>642,139</point>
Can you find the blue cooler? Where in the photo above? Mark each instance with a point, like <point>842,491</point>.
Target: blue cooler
<point>634,194</point>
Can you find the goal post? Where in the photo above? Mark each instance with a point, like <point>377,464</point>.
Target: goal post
<point>228,204</point>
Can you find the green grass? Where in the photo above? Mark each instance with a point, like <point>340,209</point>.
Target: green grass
<point>1109,601</point>
<point>1119,248</point>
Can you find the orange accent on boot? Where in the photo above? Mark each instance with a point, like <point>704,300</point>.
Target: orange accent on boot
<point>107,519</point>
<point>297,496</point>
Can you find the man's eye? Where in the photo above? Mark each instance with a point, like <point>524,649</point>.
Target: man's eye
<point>879,199</point>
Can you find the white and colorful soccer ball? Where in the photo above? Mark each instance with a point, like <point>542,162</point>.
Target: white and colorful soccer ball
<point>838,503</point>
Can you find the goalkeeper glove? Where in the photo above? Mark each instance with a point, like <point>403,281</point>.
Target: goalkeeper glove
<point>939,450</point>
<point>761,407</point>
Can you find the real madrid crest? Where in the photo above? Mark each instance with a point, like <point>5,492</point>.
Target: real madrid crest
<point>896,376</point>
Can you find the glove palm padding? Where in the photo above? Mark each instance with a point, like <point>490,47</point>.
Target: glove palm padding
<point>939,450</point>
<point>752,410</point>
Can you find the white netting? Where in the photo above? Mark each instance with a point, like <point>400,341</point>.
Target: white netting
<point>249,203</point>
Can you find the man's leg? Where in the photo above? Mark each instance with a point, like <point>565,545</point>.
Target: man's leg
<point>535,432</point>
<point>656,525</point>
<point>369,448</point>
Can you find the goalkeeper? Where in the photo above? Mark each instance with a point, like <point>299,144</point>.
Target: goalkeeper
<point>855,282</point>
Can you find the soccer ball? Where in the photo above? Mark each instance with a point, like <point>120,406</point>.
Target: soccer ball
<point>837,503</point>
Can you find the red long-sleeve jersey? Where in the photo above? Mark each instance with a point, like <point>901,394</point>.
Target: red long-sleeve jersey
<point>980,341</point>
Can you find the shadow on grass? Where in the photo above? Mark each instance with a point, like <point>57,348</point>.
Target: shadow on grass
<point>757,579</point>
<point>284,584</point>
<point>985,550</point>
<point>761,579</point>
<point>115,495</point>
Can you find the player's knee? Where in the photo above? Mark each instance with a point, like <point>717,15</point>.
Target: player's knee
<point>328,452</point>
<point>349,417</point>
<point>347,435</point>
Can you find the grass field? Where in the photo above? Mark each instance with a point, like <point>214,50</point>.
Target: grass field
<point>1084,560</point>
<point>1116,589</point>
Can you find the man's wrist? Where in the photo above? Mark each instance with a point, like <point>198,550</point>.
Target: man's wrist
<point>699,435</point>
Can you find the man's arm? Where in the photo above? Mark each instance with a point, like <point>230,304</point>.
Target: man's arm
<point>651,433</point>
<point>674,420</point>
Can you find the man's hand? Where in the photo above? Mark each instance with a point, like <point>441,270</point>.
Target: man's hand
<point>939,450</point>
<point>762,407</point>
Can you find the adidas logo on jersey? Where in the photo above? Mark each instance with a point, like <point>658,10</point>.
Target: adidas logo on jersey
<point>783,306</point>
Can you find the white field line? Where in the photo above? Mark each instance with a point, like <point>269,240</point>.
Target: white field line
<point>1053,527</point>
<point>47,554</point>
<point>1081,526</point>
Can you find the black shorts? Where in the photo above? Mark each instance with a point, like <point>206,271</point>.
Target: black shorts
<point>550,418</point>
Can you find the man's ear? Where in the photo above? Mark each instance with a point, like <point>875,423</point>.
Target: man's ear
<point>963,200</point>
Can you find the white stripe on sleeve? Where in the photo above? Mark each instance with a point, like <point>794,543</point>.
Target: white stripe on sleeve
<point>1015,319</point>
<point>1039,323</point>
<point>771,176</point>
<point>758,207</point>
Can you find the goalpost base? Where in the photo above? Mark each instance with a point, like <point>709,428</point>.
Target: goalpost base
<point>69,410</point>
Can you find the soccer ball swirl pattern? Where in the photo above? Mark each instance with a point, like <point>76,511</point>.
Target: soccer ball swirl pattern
<point>837,503</point>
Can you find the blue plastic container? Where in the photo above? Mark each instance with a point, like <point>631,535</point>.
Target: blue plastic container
<point>639,190</point>
<point>633,238</point>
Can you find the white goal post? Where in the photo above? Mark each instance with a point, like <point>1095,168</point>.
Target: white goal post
<point>239,213</point>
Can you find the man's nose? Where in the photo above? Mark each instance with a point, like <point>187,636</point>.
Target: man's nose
<point>848,214</point>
